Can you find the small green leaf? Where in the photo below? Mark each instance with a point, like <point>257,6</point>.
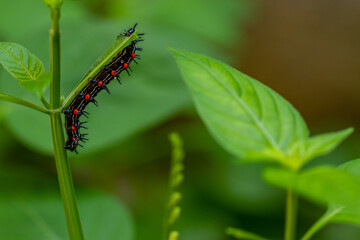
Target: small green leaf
<point>175,198</point>
<point>349,214</point>
<point>324,143</point>
<point>323,184</point>
<point>242,234</point>
<point>39,86</point>
<point>341,212</point>
<point>177,153</point>
<point>174,215</point>
<point>176,180</point>
<point>339,188</point>
<point>247,118</point>
<point>25,67</point>
<point>174,235</point>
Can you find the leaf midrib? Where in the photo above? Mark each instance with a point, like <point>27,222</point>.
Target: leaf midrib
<point>249,112</point>
<point>31,76</point>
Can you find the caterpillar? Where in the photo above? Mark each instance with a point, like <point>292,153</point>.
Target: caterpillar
<point>121,62</point>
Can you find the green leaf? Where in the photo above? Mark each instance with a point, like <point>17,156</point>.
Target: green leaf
<point>341,212</point>
<point>324,143</point>
<point>247,118</point>
<point>25,67</point>
<point>42,217</point>
<point>350,214</point>
<point>39,86</point>
<point>242,234</point>
<point>118,45</point>
<point>174,235</point>
<point>323,184</point>
<point>338,188</point>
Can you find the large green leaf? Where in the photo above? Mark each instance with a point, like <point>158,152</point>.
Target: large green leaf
<point>42,217</point>
<point>25,67</point>
<point>247,118</point>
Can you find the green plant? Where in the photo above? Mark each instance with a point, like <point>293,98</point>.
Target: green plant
<point>176,177</point>
<point>29,71</point>
<point>256,124</point>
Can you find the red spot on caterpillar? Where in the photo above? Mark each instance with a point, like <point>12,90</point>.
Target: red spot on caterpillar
<point>76,111</point>
<point>133,55</point>
<point>73,128</point>
<point>126,65</point>
<point>113,72</point>
<point>87,97</point>
<point>74,139</point>
<point>100,83</point>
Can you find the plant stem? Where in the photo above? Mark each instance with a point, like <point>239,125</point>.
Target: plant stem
<point>291,215</point>
<point>55,58</point>
<point>321,222</point>
<point>22,102</point>
<point>44,102</point>
<point>65,179</point>
<point>61,160</point>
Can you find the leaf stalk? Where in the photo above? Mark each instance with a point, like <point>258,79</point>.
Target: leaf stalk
<point>22,102</point>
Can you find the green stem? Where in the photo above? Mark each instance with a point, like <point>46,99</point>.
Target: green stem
<point>22,102</point>
<point>291,215</point>
<point>44,102</point>
<point>321,223</point>
<point>62,164</point>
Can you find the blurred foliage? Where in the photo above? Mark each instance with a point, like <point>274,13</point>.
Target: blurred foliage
<point>30,202</point>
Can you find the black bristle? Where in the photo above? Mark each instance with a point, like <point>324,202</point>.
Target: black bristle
<point>106,89</point>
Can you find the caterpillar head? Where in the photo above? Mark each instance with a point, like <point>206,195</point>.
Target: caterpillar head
<point>129,32</point>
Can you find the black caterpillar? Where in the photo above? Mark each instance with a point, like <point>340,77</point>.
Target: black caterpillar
<point>111,71</point>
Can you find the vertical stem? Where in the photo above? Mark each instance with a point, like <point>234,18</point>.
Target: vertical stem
<point>55,58</point>
<point>290,215</point>
<point>62,164</point>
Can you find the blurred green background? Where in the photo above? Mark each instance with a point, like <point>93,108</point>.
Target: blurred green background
<point>307,50</point>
